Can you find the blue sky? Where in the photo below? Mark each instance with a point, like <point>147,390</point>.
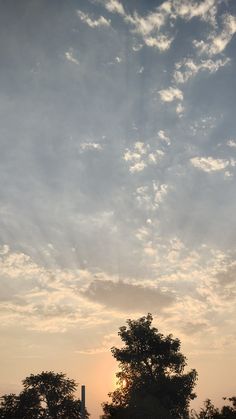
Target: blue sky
<point>117,186</point>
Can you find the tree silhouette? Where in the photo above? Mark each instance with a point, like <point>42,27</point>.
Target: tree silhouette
<point>46,395</point>
<point>26,405</point>
<point>211,412</point>
<point>151,381</point>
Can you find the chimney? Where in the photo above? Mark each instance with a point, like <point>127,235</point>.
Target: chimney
<point>83,402</point>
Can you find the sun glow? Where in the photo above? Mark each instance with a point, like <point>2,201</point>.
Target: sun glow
<point>124,383</point>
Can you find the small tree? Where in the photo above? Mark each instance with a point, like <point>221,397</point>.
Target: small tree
<point>151,381</point>
<point>46,395</point>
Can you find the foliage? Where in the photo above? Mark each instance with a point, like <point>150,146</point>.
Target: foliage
<point>26,405</point>
<point>151,381</point>
<point>46,395</point>
<point>211,412</point>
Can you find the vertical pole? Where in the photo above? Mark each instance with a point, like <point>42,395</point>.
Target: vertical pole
<point>83,402</point>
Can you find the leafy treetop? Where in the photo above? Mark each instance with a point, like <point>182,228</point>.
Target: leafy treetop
<point>151,380</point>
<point>47,395</point>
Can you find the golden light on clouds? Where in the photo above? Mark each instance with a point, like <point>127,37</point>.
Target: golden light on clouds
<point>117,186</point>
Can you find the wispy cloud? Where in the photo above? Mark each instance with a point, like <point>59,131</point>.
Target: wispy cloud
<point>163,136</point>
<point>140,70</point>
<point>188,9</point>
<point>118,60</point>
<point>170,94</point>
<point>41,299</point>
<point>209,164</point>
<point>141,156</point>
<point>172,9</point>
<point>189,68</point>
<point>180,109</point>
<point>151,197</point>
<point>135,157</point>
<point>231,143</point>
<point>161,42</point>
<point>70,57</point>
<point>93,23</point>
<point>150,26</point>
<point>107,341</point>
<point>114,6</point>
<point>89,146</point>
<point>217,42</point>
<point>146,25</point>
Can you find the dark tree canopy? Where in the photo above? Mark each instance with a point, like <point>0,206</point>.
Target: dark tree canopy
<point>46,395</point>
<point>151,381</point>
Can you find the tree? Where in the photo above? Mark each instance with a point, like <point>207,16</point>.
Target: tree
<point>211,412</point>
<point>229,412</point>
<point>151,381</point>
<point>46,395</point>
<point>208,412</point>
<point>26,405</point>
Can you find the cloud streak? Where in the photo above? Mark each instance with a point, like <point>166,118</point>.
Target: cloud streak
<point>93,23</point>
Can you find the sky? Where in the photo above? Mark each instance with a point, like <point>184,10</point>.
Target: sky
<point>117,185</point>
